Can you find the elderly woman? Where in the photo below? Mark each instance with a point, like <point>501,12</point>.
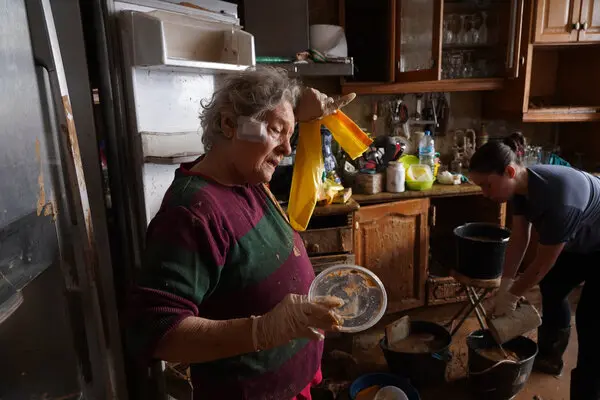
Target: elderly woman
<point>225,276</point>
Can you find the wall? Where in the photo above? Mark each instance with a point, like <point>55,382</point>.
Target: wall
<point>580,142</point>
<point>465,112</point>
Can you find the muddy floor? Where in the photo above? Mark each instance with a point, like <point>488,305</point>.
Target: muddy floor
<point>347,357</point>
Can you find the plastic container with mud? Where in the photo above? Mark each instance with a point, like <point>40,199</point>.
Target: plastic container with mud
<point>364,296</point>
<point>491,376</point>
<point>480,249</point>
<point>422,360</point>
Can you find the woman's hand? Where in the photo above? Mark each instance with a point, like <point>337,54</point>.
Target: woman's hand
<point>504,303</point>
<point>293,318</point>
<point>314,105</point>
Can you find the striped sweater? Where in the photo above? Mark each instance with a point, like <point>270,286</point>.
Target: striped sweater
<point>220,253</point>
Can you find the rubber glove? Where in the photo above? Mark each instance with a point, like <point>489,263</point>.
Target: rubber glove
<point>505,284</point>
<point>313,104</point>
<point>293,318</point>
<point>504,303</point>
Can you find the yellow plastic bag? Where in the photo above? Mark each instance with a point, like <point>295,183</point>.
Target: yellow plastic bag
<point>328,190</point>
<point>348,135</point>
<point>308,172</point>
<point>307,179</point>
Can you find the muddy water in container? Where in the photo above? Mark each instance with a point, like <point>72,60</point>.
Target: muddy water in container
<point>491,376</point>
<point>423,365</point>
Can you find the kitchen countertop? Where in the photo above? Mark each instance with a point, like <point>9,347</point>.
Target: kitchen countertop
<point>336,209</point>
<point>437,190</point>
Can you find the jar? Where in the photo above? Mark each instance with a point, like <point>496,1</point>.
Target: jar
<point>395,177</point>
<point>368,183</point>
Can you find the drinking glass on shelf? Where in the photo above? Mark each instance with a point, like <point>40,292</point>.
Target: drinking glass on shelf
<point>483,31</point>
<point>464,37</point>
<point>533,155</point>
<point>445,65</point>
<point>454,27</point>
<point>448,34</point>
<point>476,18</point>
<point>468,68</point>
<point>456,62</point>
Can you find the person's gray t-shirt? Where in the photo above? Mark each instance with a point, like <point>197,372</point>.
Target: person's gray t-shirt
<point>563,204</point>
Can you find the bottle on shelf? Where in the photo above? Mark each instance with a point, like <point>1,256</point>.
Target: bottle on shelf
<point>427,150</point>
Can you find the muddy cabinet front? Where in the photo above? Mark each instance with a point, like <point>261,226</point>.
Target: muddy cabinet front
<point>392,240</point>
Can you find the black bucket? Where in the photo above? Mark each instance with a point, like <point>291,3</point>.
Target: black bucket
<point>422,369</point>
<point>480,250</point>
<point>499,380</point>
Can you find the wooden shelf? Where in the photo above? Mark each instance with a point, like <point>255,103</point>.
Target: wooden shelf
<point>563,114</point>
<point>453,46</point>
<point>317,69</point>
<point>437,190</point>
<point>336,209</point>
<point>447,85</point>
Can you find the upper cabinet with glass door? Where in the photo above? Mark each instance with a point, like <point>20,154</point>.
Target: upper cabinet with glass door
<point>435,45</point>
<point>418,40</point>
<point>475,39</point>
<point>457,39</point>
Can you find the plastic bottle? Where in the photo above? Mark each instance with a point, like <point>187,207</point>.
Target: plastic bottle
<point>395,178</point>
<point>427,150</point>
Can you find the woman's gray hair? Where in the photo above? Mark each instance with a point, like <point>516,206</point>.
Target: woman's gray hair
<point>250,93</point>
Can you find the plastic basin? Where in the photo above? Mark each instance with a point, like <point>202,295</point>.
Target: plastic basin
<point>382,380</point>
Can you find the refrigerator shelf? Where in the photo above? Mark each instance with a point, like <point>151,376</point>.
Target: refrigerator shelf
<point>170,41</point>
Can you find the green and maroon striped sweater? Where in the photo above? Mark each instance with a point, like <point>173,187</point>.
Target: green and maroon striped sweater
<point>220,253</point>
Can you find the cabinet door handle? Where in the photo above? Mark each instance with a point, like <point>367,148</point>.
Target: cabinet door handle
<point>584,26</point>
<point>523,60</point>
<point>576,26</point>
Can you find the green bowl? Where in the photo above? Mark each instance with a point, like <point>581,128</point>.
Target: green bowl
<point>419,185</point>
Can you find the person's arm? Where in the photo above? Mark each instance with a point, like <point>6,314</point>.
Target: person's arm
<point>517,246</point>
<point>198,340</point>
<point>184,257</point>
<point>542,263</point>
<point>556,227</point>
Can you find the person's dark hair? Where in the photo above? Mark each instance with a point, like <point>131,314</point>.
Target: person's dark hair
<point>495,156</point>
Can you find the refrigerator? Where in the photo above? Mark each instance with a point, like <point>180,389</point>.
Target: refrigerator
<point>101,104</point>
<point>155,62</point>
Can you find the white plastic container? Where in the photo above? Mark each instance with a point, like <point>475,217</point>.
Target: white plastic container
<point>396,176</point>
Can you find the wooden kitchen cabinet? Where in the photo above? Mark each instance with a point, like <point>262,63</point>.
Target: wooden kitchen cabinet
<point>391,240</point>
<point>418,39</point>
<point>554,83</point>
<point>590,21</point>
<point>434,45</point>
<point>567,21</point>
<point>328,238</point>
<point>556,21</point>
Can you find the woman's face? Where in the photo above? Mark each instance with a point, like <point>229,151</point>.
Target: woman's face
<point>256,162</point>
<point>499,188</point>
